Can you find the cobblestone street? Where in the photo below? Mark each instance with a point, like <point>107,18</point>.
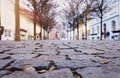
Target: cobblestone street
<point>60,59</point>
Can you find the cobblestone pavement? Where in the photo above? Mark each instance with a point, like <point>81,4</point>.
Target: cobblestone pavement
<point>60,59</point>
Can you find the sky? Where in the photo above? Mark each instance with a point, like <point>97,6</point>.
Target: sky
<point>62,5</point>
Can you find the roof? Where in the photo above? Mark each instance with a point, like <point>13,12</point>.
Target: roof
<point>27,13</point>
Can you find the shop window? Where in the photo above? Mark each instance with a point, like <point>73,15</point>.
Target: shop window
<point>113,25</point>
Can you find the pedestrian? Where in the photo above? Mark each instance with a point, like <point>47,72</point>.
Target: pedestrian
<point>108,35</point>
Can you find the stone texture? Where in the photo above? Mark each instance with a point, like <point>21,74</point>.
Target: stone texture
<point>4,63</point>
<point>67,52</point>
<point>4,56</point>
<point>81,57</point>
<point>73,64</point>
<point>4,72</point>
<point>97,72</point>
<point>59,59</point>
<point>51,57</point>
<point>39,64</point>
<point>62,73</point>
<point>47,52</point>
<point>22,74</point>
<point>23,56</point>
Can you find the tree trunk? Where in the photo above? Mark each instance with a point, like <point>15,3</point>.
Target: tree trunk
<point>34,27</point>
<point>48,36</point>
<point>67,35</point>
<point>70,35</point>
<point>101,29</point>
<point>17,21</point>
<point>41,32</point>
<point>73,34</point>
<point>85,31</point>
<point>44,36</point>
<point>34,4</point>
<point>77,32</point>
<point>101,18</point>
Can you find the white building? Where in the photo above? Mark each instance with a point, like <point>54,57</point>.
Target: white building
<point>8,21</point>
<point>111,23</point>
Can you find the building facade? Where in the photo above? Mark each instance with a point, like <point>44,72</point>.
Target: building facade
<point>8,21</point>
<point>111,23</point>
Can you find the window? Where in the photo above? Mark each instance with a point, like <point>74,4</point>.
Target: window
<point>113,25</point>
<point>98,30</point>
<point>93,30</point>
<point>7,33</point>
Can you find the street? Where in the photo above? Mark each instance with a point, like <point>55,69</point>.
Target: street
<point>60,59</point>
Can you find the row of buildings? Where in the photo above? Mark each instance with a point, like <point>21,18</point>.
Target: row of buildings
<point>110,29</point>
<point>7,16</point>
<point>111,23</point>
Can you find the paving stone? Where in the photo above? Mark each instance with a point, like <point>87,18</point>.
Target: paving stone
<point>67,52</point>
<point>100,48</point>
<point>29,69</point>
<point>20,51</point>
<point>73,64</point>
<point>115,69</point>
<point>97,72</point>
<point>4,72</point>
<point>22,74</point>
<point>23,56</point>
<point>39,64</point>
<point>51,57</point>
<point>73,46</point>
<point>114,62</point>
<point>91,59</point>
<point>62,73</point>
<point>81,57</point>
<point>4,49</point>
<point>109,56</point>
<point>92,51</point>
<point>4,56</point>
<point>6,62</point>
<point>78,49</point>
<point>49,52</point>
<point>40,50</point>
<point>63,47</point>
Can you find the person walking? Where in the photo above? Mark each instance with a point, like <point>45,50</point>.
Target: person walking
<point>108,35</point>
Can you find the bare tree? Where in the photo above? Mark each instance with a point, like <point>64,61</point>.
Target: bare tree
<point>84,16</point>
<point>42,10</point>
<point>71,13</point>
<point>17,21</point>
<point>46,14</point>
<point>33,6</point>
<point>99,8</point>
